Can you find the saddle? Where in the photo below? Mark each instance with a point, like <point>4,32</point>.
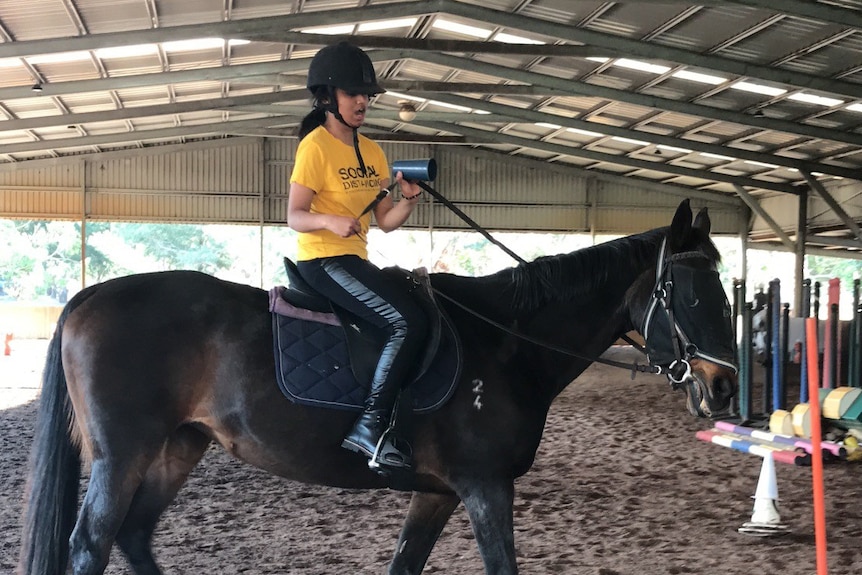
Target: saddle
<point>326,356</point>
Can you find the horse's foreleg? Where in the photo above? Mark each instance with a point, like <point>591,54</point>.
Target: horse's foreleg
<point>489,505</point>
<point>164,478</point>
<point>426,517</point>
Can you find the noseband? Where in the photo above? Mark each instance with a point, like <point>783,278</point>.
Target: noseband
<point>676,349</point>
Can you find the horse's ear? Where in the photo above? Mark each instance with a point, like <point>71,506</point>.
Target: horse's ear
<point>680,227</point>
<point>702,222</point>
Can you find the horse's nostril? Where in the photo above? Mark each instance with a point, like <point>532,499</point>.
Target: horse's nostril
<point>724,388</point>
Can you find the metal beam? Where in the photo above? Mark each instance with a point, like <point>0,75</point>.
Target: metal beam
<point>253,27</point>
<point>228,103</point>
<point>235,73</point>
<point>438,44</point>
<point>482,136</point>
<point>755,207</point>
<point>582,88</point>
<point>526,115</point>
<point>638,48</point>
<point>43,163</point>
<point>646,185</point>
<point>806,9</point>
<point>833,205</point>
<point>225,29</point>
<point>811,250</point>
<point>833,241</point>
<point>139,135</point>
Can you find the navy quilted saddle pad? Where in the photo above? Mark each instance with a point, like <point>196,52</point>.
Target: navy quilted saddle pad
<point>312,362</point>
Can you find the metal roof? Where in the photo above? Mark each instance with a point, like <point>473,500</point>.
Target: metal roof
<point>734,97</point>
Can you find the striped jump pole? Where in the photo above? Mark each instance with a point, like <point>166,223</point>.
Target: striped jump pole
<point>778,454</point>
<point>830,446</point>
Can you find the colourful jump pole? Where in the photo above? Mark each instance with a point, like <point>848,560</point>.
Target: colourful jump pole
<point>830,346</point>
<point>779,455</point>
<point>775,335</point>
<point>803,364</point>
<point>746,395</point>
<point>830,446</point>
<point>853,344</point>
<point>816,457</point>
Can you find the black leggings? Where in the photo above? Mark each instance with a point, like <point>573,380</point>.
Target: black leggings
<point>365,290</point>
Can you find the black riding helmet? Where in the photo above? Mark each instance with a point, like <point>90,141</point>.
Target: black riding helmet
<point>344,66</point>
<point>347,67</point>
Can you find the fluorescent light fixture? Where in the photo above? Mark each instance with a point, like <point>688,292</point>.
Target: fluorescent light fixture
<point>466,30</point>
<point>387,24</point>
<point>585,133</point>
<point>758,89</point>
<point>512,39</point>
<point>698,77</point>
<point>548,125</point>
<point>816,100</point>
<point>674,149</point>
<point>128,51</point>
<point>855,107</point>
<point>199,44</point>
<point>450,106</point>
<point>401,96</point>
<point>9,62</point>
<point>599,59</point>
<point>630,141</point>
<point>59,58</point>
<point>330,30</point>
<point>717,157</point>
<point>642,66</point>
<point>761,164</point>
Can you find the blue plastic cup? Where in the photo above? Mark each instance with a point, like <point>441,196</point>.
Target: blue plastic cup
<point>425,170</point>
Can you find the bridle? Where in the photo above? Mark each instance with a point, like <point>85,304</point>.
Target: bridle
<point>684,350</point>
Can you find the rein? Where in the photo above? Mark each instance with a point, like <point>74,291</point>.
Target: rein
<point>633,367</point>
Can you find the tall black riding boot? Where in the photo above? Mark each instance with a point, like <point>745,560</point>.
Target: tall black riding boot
<point>368,436</point>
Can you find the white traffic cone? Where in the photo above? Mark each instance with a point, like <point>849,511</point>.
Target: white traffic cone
<point>765,519</point>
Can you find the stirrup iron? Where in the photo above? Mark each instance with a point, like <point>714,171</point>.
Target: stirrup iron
<point>391,452</point>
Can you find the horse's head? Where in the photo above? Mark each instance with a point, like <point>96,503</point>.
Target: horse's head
<point>687,323</point>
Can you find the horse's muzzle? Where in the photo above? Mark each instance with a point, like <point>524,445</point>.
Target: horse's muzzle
<point>710,388</point>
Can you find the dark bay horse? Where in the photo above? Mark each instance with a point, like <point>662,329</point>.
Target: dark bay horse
<point>145,371</point>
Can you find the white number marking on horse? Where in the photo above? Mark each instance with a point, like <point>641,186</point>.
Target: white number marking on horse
<point>478,385</point>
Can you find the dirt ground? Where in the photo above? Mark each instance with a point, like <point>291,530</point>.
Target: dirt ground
<point>620,487</point>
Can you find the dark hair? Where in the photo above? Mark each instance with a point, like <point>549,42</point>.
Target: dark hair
<point>323,99</point>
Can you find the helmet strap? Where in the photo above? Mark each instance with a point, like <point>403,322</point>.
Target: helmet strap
<point>331,106</point>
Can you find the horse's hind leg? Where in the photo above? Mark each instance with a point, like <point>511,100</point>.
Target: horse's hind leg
<point>426,517</point>
<point>128,490</point>
<point>164,478</point>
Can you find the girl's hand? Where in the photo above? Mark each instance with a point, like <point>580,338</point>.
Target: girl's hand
<point>409,190</point>
<point>343,226</point>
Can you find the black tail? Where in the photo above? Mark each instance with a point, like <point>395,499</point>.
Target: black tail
<point>55,467</point>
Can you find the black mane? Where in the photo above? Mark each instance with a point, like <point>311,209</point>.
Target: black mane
<point>561,277</point>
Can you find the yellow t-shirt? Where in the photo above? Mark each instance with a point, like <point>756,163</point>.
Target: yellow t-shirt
<point>330,168</point>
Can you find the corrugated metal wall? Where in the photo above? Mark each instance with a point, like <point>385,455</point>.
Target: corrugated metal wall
<point>246,180</point>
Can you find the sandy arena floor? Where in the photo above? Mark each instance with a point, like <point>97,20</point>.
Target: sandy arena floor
<point>620,487</point>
